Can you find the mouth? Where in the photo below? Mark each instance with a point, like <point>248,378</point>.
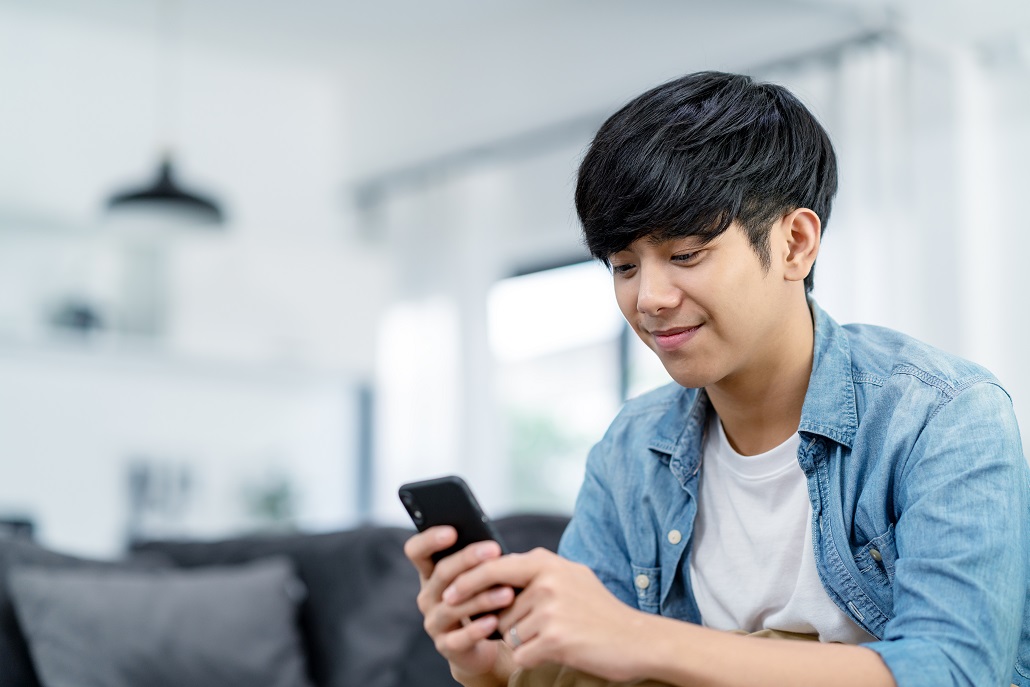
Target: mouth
<point>671,339</point>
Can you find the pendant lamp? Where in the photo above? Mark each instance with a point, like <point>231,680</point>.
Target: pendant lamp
<point>165,196</point>
<point>163,199</point>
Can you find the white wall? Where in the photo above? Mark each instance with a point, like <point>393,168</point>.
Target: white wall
<point>264,137</point>
<point>268,323</point>
<point>73,421</point>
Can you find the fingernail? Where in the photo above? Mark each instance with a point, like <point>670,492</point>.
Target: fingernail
<point>442,535</point>
<point>450,595</point>
<point>484,550</point>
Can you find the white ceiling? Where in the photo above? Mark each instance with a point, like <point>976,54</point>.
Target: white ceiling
<point>323,29</point>
<point>423,78</point>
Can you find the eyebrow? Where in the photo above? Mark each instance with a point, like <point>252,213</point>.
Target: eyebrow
<point>696,240</point>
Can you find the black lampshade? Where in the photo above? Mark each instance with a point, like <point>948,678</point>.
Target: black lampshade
<point>164,195</point>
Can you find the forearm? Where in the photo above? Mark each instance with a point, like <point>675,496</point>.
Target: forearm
<point>692,656</point>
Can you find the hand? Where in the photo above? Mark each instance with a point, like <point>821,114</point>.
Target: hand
<point>563,614</point>
<point>463,643</point>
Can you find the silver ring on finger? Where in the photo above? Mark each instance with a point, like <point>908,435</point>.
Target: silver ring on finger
<point>513,634</point>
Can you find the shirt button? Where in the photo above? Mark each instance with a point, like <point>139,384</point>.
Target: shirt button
<point>875,555</point>
<point>642,581</point>
<point>675,537</point>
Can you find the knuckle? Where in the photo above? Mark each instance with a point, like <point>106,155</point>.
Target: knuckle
<point>557,648</point>
<point>432,623</point>
<point>547,586</point>
<point>411,547</point>
<point>445,644</point>
<point>415,547</point>
<point>451,565</point>
<point>424,602</point>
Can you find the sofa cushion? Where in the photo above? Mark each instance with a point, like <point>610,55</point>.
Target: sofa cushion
<point>17,668</point>
<point>209,627</point>
<point>360,621</point>
<point>360,613</point>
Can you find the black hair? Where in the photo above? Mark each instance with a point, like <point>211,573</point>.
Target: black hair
<point>691,156</point>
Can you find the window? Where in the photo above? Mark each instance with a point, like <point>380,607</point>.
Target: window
<point>565,359</point>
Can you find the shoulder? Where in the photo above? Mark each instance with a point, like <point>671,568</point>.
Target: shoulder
<point>874,383</point>
<point>886,358</point>
<point>910,396</point>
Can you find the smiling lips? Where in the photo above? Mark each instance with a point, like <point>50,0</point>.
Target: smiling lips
<point>671,339</point>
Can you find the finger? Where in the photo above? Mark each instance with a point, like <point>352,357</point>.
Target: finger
<point>420,548</point>
<point>444,617</point>
<point>519,634</point>
<point>522,631</point>
<point>514,570</point>
<point>461,562</point>
<point>465,638</point>
<point>430,595</point>
<point>516,615</point>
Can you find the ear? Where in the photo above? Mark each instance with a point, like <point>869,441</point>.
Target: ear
<point>801,230</point>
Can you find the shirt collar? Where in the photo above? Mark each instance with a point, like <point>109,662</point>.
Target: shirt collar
<point>829,409</point>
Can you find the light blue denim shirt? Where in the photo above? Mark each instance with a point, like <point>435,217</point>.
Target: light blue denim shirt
<point>920,505</point>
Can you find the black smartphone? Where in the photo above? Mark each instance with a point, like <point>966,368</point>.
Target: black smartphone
<point>449,501</point>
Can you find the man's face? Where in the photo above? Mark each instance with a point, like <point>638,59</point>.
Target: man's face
<point>711,312</point>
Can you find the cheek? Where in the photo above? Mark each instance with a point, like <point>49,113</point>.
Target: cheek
<point>626,298</point>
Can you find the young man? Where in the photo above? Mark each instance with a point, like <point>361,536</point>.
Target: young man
<point>800,480</point>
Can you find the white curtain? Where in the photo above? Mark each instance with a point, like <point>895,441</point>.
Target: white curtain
<point>930,229</point>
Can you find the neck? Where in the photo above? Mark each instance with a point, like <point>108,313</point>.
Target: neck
<point>760,405</point>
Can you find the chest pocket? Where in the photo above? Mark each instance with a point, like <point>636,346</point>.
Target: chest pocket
<point>876,559</point>
<point>648,584</point>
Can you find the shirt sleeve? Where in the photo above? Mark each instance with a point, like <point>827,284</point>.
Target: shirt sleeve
<point>594,536</point>
<point>962,536</point>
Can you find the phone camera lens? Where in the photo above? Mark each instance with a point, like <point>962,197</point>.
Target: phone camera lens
<point>417,514</point>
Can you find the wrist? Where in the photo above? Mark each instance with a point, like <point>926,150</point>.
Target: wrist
<point>496,677</point>
<point>663,656</point>
<point>643,649</point>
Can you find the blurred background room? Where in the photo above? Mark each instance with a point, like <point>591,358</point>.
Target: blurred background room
<point>364,265</point>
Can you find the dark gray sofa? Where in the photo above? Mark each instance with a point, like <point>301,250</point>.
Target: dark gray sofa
<point>358,623</point>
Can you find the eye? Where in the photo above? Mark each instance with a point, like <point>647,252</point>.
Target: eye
<point>686,257</point>
<point>623,268</point>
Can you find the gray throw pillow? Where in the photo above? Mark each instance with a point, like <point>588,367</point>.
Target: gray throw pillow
<point>16,668</point>
<point>224,627</point>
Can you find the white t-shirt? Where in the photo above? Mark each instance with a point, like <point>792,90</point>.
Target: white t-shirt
<point>753,566</point>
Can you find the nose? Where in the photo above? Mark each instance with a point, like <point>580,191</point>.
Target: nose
<point>656,290</point>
